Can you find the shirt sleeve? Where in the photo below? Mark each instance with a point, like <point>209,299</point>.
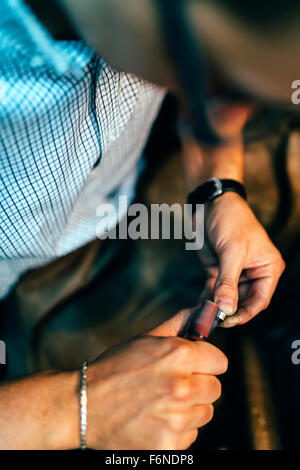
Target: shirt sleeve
<point>47,49</point>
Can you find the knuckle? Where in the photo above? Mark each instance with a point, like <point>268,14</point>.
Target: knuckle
<point>246,316</point>
<point>282,264</point>
<point>176,422</point>
<point>266,304</point>
<point>226,282</point>
<point>279,261</point>
<point>179,388</point>
<point>239,248</point>
<point>180,349</point>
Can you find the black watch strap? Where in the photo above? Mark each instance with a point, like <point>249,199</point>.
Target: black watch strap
<point>214,188</point>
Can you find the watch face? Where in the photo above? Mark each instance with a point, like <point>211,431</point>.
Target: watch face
<point>215,189</point>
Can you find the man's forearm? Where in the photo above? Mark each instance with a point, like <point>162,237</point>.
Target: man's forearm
<point>201,164</point>
<point>224,161</point>
<point>40,412</point>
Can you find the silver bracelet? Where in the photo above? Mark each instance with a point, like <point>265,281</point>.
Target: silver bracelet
<point>83,406</point>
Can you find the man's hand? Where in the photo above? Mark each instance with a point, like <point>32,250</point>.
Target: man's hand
<point>242,264</point>
<point>153,392</point>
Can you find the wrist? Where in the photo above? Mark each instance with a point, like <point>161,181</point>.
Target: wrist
<point>226,198</point>
<point>215,189</point>
<point>200,164</point>
<point>225,162</point>
<point>62,431</point>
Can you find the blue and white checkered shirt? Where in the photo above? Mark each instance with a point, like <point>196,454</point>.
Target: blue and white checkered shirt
<point>72,130</point>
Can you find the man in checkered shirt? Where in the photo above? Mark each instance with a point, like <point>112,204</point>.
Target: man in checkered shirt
<point>72,129</point>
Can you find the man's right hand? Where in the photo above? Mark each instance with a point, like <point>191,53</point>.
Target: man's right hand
<point>154,391</point>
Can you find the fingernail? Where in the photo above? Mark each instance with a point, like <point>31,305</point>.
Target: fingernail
<point>229,322</point>
<point>226,305</point>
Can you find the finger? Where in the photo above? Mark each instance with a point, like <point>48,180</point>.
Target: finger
<point>243,290</point>
<point>207,292</point>
<point>258,298</point>
<point>206,358</point>
<point>197,416</point>
<point>205,389</point>
<point>226,287</point>
<point>172,327</point>
<point>187,439</point>
<point>193,357</point>
<point>187,423</point>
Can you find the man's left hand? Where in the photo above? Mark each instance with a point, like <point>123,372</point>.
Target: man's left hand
<point>242,264</point>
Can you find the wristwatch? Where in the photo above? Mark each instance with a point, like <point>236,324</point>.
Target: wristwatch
<point>214,188</point>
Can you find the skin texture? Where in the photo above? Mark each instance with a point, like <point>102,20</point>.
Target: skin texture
<point>175,386</point>
<point>153,392</point>
<point>243,266</point>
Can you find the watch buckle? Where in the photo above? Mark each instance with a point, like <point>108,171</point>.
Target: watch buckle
<point>218,188</point>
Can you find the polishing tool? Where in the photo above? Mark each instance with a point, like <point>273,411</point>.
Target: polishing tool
<point>205,320</point>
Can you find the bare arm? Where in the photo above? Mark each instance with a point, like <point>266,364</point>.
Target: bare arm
<point>152,392</point>
<point>40,412</point>
<point>243,266</point>
<point>202,163</point>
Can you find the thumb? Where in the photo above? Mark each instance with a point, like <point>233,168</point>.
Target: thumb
<point>226,286</point>
<point>172,327</point>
